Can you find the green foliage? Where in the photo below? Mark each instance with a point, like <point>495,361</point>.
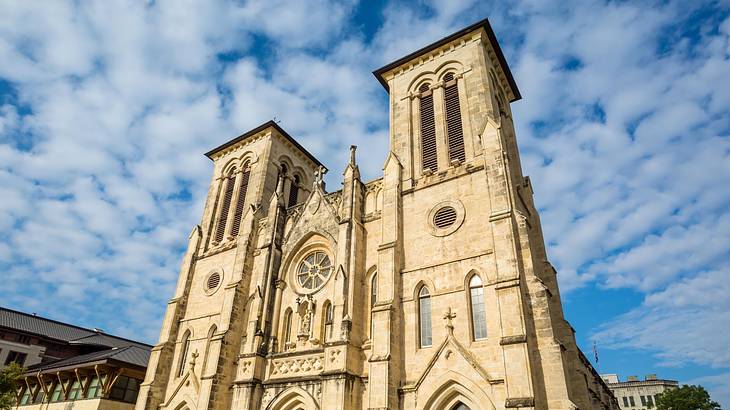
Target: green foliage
<point>8,385</point>
<point>686,398</point>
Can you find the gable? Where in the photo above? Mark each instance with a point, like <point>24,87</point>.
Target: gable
<point>453,372</point>
<point>317,215</point>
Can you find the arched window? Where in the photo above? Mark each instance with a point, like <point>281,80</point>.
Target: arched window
<point>294,191</point>
<point>478,312</point>
<point>429,157</point>
<point>460,406</point>
<point>208,343</point>
<point>241,200</point>
<point>230,183</point>
<point>287,327</point>
<point>328,319</point>
<point>454,130</point>
<point>424,317</point>
<point>373,299</point>
<point>183,353</point>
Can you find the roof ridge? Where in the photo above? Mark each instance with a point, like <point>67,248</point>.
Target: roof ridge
<point>90,331</point>
<point>34,316</point>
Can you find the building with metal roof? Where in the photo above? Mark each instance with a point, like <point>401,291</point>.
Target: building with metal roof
<point>66,363</point>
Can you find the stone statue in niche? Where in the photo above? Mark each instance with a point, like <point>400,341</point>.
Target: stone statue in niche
<point>306,312</point>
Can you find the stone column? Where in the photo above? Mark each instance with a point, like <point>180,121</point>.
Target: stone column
<point>274,344</point>
<point>439,111</point>
<point>384,379</point>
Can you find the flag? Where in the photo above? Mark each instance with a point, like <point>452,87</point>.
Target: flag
<point>595,352</point>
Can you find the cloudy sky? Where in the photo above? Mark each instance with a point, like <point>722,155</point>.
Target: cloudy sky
<point>107,107</point>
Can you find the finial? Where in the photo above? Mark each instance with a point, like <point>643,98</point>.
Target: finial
<point>353,148</point>
<point>319,175</point>
<point>449,315</point>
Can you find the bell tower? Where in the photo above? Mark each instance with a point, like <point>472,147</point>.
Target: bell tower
<point>441,100</point>
<point>219,309</point>
<point>465,243</point>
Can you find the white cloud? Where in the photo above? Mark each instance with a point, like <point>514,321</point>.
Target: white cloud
<point>627,146</point>
<point>695,306</point>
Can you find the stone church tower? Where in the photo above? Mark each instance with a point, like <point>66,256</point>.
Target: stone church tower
<point>428,288</point>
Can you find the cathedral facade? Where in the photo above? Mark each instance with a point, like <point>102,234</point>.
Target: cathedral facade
<point>427,288</point>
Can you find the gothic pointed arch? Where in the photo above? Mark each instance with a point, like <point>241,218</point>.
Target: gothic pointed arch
<point>184,350</point>
<point>208,343</point>
<point>286,328</point>
<point>425,331</point>
<point>477,306</point>
<point>182,406</point>
<point>372,299</point>
<point>313,241</point>
<point>456,390</point>
<point>293,398</point>
<point>327,320</point>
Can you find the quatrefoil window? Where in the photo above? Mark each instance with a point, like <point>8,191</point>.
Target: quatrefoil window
<point>314,270</point>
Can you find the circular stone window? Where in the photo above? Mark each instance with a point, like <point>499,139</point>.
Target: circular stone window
<point>314,270</point>
<point>445,218</point>
<point>213,282</point>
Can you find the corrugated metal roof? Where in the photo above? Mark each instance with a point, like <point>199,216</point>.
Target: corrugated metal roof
<point>52,329</point>
<point>102,339</point>
<point>24,322</point>
<point>129,355</point>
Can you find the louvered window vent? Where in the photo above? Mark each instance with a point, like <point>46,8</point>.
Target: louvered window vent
<point>444,217</point>
<point>213,281</point>
<point>428,130</point>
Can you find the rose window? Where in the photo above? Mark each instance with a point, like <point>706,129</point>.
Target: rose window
<point>314,270</point>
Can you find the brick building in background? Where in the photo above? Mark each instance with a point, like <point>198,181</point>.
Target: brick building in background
<point>66,363</point>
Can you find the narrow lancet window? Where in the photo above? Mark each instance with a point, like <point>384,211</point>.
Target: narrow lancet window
<point>478,313</point>
<point>424,317</point>
<point>294,191</point>
<point>230,183</point>
<point>287,327</point>
<point>241,200</point>
<point>183,354</point>
<point>429,157</point>
<point>373,299</point>
<point>329,314</point>
<point>454,130</point>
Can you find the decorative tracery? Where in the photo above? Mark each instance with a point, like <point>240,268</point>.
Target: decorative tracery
<point>314,270</point>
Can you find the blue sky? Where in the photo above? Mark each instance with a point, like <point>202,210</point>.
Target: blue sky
<point>107,107</point>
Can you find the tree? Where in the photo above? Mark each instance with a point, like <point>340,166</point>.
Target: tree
<point>686,398</point>
<point>8,385</point>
